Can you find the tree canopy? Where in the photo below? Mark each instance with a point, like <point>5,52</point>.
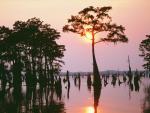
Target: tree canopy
<point>145,51</point>
<point>96,20</point>
<point>30,47</point>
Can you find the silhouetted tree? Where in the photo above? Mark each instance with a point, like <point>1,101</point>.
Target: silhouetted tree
<point>89,82</point>
<point>145,51</point>
<point>68,84</point>
<point>58,88</point>
<point>114,79</point>
<point>136,82</point>
<point>129,73</point>
<point>30,47</point>
<point>91,21</point>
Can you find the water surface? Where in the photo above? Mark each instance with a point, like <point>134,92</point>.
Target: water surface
<point>76,95</point>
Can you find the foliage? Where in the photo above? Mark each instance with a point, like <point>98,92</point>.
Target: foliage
<point>96,20</point>
<point>30,47</point>
<point>145,51</point>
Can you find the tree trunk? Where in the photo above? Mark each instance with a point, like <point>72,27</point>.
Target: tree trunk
<point>97,79</point>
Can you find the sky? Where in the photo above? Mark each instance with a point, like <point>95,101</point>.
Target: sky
<point>132,14</point>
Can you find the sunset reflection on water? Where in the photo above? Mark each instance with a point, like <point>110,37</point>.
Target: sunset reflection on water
<point>78,97</point>
<point>89,109</point>
<point>113,98</point>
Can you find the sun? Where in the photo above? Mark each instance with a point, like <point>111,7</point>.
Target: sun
<point>89,109</point>
<point>87,34</point>
<point>87,37</point>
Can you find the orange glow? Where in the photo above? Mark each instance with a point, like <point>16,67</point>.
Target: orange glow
<point>88,34</point>
<point>87,37</point>
<point>89,109</point>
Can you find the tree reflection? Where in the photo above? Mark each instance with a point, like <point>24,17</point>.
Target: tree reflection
<point>146,101</point>
<point>77,81</point>
<point>32,100</point>
<point>49,98</point>
<point>89,82</point>
<point>97,92</point>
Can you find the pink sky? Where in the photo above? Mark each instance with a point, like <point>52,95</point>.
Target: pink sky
<point>133,14</point>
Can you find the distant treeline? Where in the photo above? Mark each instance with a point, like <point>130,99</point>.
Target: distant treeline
<point>29,52</point>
